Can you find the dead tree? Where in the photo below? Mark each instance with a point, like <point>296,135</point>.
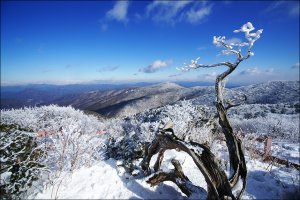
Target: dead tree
<point>219,186</point>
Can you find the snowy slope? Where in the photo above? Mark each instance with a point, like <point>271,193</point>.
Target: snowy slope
<point>106,180</point>
<point>87,156</point>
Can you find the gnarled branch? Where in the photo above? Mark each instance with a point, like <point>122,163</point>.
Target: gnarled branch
<point>218,185</point>
<point>176,176</point>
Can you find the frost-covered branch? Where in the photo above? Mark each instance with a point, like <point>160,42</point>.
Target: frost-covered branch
<point>194,65</point>
<point>230,48</point>
<point>236,102</point>
<point>251,37</point>
<point>177,176</point>
<point>234,144</point>
<point>220,41</point>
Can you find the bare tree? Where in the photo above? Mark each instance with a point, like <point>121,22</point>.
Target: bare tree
<point>219,186</point>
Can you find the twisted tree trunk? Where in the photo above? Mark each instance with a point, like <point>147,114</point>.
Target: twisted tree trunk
<point>218,185</point>
<point>177,176</point>
<point>234,144</point>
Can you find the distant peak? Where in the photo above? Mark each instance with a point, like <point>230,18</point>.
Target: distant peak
<point>168,85</point>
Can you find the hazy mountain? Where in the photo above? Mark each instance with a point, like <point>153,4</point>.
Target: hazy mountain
<point>123,102</point>
<point>38,94</point>
<point>131,99</point>
<point>112,102</point>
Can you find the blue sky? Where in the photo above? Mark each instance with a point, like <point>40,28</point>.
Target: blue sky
<point>65,42</point>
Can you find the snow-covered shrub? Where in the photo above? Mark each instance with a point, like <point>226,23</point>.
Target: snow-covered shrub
<point>128,136</point>
<point>251,144</point>
<point>192,122</point>
<point>276,125</point>
<point>20,163</point>
<point>70,138</point>
<point>260,110</point>
<point>50,118</point>
<point>127,149</point>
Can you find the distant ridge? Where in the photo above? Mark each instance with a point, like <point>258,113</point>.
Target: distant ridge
<point>131,100</point>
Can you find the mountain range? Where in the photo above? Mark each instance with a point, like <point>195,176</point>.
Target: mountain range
<point>123,100</point>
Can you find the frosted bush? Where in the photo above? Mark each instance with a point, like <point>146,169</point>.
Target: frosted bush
<point>276,125</point>
<point>128,135</point>
<point>114,128</point>
<point>70,138</point>
<point>20,163</point>
<point>191,122</point>
<point>148,130</point>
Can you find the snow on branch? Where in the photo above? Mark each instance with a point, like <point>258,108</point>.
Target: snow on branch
<point>230,48</point>
<point>251,37</point>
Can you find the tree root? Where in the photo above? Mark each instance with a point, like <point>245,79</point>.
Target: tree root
<point>177,176</point>
<point>218,186</point>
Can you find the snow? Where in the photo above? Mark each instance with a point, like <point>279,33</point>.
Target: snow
<point>101,181</point>
<point>286,151</point>
<point>6,176</point>
<point>93,177</point>
<point>273,184</point>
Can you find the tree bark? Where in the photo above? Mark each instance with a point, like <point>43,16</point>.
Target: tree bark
<point>177,176</point>
<point>234,145</point>
<point>218,185</point>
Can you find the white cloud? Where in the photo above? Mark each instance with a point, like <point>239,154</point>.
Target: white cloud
<point>256,75</point>
<point>210,76</point>
<point>118,12</point>
<point>250,71</point>
<point>171,12</point>
<point>290,8</point>
<point>155,66</point>
<point>255,71</point>
<point>196,15</point>
<point>294,10</point>
<point>233,40</point>
<point>165,11</point>
<point>274,5</point>
<point>296,66</point>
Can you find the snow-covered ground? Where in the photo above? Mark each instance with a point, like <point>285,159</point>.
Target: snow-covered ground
<point>106,180</point>
<point>286,150</point>
<point>76,156</point>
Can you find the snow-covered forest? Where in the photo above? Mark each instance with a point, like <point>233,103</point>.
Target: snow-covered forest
<point>60,152</point>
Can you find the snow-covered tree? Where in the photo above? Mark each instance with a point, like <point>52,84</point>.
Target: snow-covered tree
<point>219,186</point>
